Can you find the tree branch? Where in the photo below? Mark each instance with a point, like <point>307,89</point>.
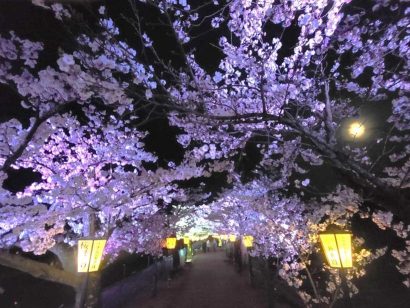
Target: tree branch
<point>39,270</point>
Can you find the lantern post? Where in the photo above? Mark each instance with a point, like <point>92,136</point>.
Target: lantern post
<point>89,255</point>
<point>337,248</point>
<point>170,243</point>
<point>248,243</point>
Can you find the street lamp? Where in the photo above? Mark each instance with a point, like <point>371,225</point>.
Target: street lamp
<point>337,247</point>
<point>88,260</point>
<point>248,241</point>
<point>356,129</point>
<point>89,254</point>
<point>170,242</point>
<point>232,237</point>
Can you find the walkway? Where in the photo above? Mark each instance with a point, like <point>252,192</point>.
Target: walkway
<point>209,282</point>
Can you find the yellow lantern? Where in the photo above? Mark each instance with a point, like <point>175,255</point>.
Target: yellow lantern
<point>89,255</point>
<point>171,242</point>
<point>232,237</point>
<point>248,241</point>
<point>219,242</point>
<point>337,247</point>
<point>186,240</point>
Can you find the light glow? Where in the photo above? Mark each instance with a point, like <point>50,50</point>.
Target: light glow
<point>356,129</point>
<point>248,241</point>
<point>232,238</point>
<point>89,255</point>
<point>338,249</point>
<point>171,242</point>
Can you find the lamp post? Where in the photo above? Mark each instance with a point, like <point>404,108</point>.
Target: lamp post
<point>337,247</point>
<point>248,241</point>
<point>89,256</point>
<point>170,243</point>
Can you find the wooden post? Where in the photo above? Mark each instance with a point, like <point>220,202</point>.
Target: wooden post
<point>346,298</point>
<point>93,280</point>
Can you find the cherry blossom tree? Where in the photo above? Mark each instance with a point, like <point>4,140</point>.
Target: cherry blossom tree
<point>84,140</point>
<point>294,101</point>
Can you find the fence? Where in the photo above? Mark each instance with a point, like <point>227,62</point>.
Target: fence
<point>142,283</point>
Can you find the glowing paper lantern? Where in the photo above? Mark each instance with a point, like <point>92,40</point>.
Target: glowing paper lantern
<point>232,238</point>
<point>337,247</point>
<point>89,255</point>
<point>171,242</point>
<point>189,254</point>
<point>186,240</point>
<point>248,241</point>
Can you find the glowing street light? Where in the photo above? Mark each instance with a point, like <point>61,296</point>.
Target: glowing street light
<point>89,255</point>
<point>224,237</point>
<point>337,247</point>
<point>170,242</point>
<point>219,242</point>
<point>189,253</point>
<point>248,241</point>
<point>356,129</point>
<point>232,237</point>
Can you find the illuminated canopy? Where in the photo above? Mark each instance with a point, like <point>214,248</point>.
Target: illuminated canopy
<point>337,247</point>
<point>89,255</point>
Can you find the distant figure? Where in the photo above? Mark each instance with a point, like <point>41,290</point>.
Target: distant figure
<point>204,246</point>
<point>214,244</point>
<point>208,245</point>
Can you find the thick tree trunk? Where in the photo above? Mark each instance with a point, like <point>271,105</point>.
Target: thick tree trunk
<point>39,270</point>
<point>67,256</point>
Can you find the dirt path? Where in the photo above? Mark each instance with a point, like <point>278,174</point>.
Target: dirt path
<point>209,282</point>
